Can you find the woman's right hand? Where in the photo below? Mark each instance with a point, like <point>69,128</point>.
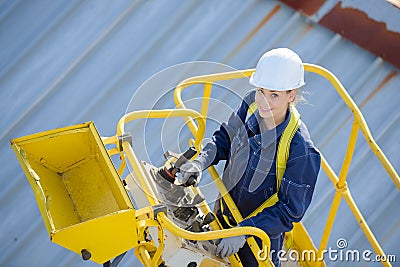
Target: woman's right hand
<point>190,172</point>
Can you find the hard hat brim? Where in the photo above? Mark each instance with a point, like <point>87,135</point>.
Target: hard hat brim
<point>264,86</point>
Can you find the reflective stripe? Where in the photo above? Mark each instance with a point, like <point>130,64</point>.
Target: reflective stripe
<point>281,159</point>
<point>288,240</point>
<point>226,219</point>
<point>252,108</point>
<point>267,203</point>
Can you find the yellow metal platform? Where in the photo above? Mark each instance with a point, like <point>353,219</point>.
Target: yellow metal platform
<point>83,202</point>
<point>86,208</point>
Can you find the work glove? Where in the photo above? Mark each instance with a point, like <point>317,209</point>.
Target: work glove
<point>230,245</point>
<point>190,172</point>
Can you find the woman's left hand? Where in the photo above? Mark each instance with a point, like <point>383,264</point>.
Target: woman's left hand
<point>230,245</point>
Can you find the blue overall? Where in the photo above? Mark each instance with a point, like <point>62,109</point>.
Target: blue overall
<point>250,173</point>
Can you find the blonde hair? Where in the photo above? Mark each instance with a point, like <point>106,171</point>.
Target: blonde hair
<point>299,97</point>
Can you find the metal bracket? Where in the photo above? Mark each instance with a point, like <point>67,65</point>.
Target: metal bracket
<point>126,137</point>
<point>168,154</point>
<point>115,262</point>
<point>158,208</point>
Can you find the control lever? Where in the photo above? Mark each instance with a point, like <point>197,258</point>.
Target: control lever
<point>170,173</point>
<point>185,157</point>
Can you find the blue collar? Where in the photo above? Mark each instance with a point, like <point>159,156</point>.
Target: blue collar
<point>267,137</point>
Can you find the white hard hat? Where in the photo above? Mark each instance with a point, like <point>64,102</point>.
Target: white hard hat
<point>279,69</point>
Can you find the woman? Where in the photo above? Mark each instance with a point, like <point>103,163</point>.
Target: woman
<point>250,144</point>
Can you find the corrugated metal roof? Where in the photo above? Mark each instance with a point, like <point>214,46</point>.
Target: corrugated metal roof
<point>64,62</point>
<point>381,11</point>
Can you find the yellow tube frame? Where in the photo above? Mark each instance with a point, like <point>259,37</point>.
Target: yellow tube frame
<point>127,151</point>
<point>127,148</point>
<point>340,184</point>
<point>216,234</point>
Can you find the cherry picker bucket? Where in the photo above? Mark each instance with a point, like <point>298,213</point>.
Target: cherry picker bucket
<point>81,197</point>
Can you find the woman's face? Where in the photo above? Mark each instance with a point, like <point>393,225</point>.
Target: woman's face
<point>273,103</point>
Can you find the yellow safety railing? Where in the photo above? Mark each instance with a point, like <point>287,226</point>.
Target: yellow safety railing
<point>208,80</point>
<point>162,219</point>
<point>74,223</point>
<point>127,148</point>
<point>339,182</point>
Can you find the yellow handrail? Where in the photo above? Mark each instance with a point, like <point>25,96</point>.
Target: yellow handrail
<point>208,80</point>
<point>358,118</point>
<point>165,113</point>
<point>151,114</point>
<point>339,183</point>
<point>212,235</point>
<point>199,134</point>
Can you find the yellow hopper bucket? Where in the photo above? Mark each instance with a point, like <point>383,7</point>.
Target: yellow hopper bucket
<point>82,200</point>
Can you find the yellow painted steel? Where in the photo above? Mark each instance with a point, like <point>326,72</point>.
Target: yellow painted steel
<point>160,249</point>
<point>166,113</point>
<point>359,119</point>
<point>152,114</point>
<point>232,207</point>
<point>340,185</point>
<point>344,193</point>
<point>78,191</point>
<point>139,173</point>
<point>137,170</point>
<point>206,99</point>
<point>144,255</point>
<point>265,261</point>
<point>63,165</point>
<point>302,243</point>
<point>208,80</point>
